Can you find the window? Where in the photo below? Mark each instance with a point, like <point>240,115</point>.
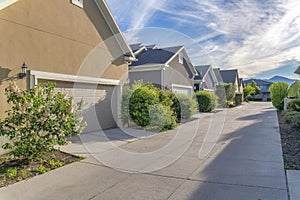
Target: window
<point>78,3</point>
<point>180,58</point>
<point>5,3</point>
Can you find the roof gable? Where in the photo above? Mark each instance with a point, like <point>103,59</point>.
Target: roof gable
<point>202,71</point>
<point>218,74</point>
<point>229,76</point>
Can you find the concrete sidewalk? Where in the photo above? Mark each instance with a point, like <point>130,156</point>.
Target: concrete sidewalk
<point>233,154</point>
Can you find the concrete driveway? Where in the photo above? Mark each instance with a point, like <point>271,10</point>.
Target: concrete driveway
<point>231,154</point>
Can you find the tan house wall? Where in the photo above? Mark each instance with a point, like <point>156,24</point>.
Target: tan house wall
<point>55,36</point>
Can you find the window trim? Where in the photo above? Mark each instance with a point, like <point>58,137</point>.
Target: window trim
<point>78,3</point>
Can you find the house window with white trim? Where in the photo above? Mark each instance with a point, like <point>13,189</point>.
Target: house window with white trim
<point>180,58</point>
<point>78,3</point>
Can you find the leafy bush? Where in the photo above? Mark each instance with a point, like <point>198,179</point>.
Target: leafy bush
<point>257,89</point>
<point>294,105</point>
<point>38,120</point>
<point>207,101</point>
<point>238,99</point>
<point>249,90</point>
<point>292,117</point>
<point>225,92</point>
<point>161,118</point>
<point>278,92</point>
<point>294,90</point>
<point>184,106</point>
<point>140,102</point>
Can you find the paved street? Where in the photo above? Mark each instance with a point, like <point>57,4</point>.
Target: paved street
<point>232,154</point>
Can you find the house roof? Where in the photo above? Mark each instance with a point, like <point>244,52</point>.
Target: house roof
<point>259,82</point>
<point>229,76</point>
<point>135,47</point>
<point>218,75</point>
<point>156,55</point>
<point>202,71</point>
<point>297,71</point>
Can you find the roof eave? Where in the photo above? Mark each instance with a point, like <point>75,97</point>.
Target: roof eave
<point>113,26</point>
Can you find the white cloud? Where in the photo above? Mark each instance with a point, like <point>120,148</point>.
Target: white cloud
<point>252,35</point>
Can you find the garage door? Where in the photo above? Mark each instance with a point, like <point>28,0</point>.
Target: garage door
<point>101,110</point>
<point>182,89</point>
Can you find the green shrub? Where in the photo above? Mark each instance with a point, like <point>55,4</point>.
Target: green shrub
<point>278,92</point>
<point>139,104</point>
<point>294,90</point>
<point>207,101</point>
<point>292,117</point>
<point>238,99</point>
<point>225,92</point>
<point>161,118</point>
<point>39,120</point>
<point>294,105</point>
<point>184,106</point>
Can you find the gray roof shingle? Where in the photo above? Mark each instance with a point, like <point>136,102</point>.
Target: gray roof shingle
<point>156,56</point>
<point>201,70</point>
<point>218,75</point>
<point>229,76</point>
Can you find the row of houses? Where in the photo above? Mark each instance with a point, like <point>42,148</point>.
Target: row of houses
<point>171,68</point>
<point>78,45</point>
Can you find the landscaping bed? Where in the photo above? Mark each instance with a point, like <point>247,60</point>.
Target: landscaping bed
<point>15,170</point>
<point>290,139</point>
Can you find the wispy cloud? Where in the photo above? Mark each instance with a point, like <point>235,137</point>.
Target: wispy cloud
<point>252,35</point>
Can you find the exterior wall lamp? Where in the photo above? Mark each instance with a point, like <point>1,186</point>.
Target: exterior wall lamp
<point>24,71</point>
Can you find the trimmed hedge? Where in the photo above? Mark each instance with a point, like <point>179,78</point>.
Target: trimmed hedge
<point>139,104</point>
<point>207,101</point>
<point>294,105</point>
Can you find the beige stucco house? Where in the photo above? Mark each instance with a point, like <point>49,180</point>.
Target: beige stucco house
<point>76,44</point>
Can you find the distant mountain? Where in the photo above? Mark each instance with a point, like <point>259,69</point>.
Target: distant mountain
<point>282,79</point>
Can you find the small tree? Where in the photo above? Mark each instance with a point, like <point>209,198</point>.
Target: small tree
<point>256,88</point>
<point>248,90</point>
<point>278,92</point>
<point>294,90</point>
<point>38,120</point>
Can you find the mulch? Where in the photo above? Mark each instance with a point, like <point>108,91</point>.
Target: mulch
<point>290,140</point>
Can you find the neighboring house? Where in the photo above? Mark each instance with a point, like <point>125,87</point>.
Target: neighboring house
<point>264,87</point>
<point>218,75</point>
<point>206,78</point>
<point>167,68</point>
<point>232,76</point>
<point>76,44</point>
<point>241,85</point>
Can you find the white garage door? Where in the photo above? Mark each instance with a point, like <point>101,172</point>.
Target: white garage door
<point>182,89</point>
<point>101,110</point>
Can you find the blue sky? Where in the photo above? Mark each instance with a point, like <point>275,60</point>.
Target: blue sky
<point>259,37</point>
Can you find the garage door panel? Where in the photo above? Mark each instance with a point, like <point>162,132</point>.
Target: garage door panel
<point>101,109</point>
